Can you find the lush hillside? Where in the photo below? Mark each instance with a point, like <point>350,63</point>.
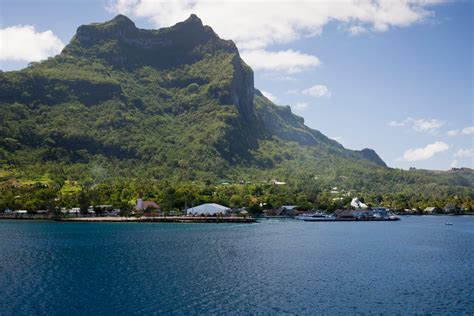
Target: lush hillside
<point>175,104</point>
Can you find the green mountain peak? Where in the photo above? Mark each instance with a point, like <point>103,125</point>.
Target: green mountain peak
<point>174,103</point>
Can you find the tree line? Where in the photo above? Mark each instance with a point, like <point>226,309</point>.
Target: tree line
<point>122,194</point>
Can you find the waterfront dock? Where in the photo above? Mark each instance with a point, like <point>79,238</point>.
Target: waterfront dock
<point>162,219</point>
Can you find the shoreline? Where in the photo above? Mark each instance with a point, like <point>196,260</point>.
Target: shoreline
<point>192,219</point>
<point>168,219</point>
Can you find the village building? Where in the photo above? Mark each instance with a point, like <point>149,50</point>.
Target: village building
<point>74,210</point>
<point>208,209</point>
<point>358,204</point>
<point>452,208</point>
<point>430,210</point>
<point>276,182</point>
<point>286,210</point>
<point>146,205</point>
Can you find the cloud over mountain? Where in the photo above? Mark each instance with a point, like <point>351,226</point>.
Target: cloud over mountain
<point>425,152</point>
<point>419,125</point>
<point>256,25</point>
<point>288,61</point>
<point>317,91</point>
<point>24,43</point>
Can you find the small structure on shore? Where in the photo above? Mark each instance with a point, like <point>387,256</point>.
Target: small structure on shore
<point>430,210</point>
<point>357,204</point>
<point>146,205</point>
<point>286,210</point>
<point>276,182</point>
<point>376,213</point>
<point>208,209</point>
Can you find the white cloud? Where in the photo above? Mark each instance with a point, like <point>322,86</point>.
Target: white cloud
<point>429,126</point>
<point>289,61</point>
<point>301,106</point>
<point>453,132</point>
<point>419,125</point>
<point>464,153</point>
<point>269,96</point>
<point>425,152</point>
<point>24,43</point>
<point>256,25</point>
<point>336,138</point>
<point>357,29</point>
<point>465,131</point>
<point>468,130</point>
<point>317,91</point>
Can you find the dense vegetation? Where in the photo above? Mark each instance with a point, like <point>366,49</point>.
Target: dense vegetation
<point>173,113</point>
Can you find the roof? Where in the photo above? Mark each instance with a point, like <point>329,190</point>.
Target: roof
<point>356,203</point>
<point>150,204</point>
<point>208,208</point>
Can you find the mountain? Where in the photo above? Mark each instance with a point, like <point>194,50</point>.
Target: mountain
<point>176,103</point>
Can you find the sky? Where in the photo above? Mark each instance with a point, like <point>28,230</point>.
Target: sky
<point>394,76</point>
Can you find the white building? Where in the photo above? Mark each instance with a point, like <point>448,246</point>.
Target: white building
<point>357,204</point>
<point>430,210</point>
<point>208,209</point>
<point>74,210</point>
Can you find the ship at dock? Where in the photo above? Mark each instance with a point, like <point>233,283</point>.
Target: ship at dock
<point>316,217</point>
<point>359,212</point>
<point>370,214</point>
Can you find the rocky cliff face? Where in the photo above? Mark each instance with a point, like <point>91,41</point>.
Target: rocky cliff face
<point>181,38</point>
<point>121,44</point>
<point>120,27</point>
<point>371,155</point>
<point>242,88</point>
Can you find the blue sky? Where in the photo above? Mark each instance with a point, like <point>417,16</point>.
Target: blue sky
<point>393,76</point>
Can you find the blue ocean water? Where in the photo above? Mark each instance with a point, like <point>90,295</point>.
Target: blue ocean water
<point>418,265</point>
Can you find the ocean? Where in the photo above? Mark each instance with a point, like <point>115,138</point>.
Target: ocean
<point>417,265</point>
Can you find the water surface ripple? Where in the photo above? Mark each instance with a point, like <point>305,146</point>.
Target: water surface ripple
<point>415,266</point>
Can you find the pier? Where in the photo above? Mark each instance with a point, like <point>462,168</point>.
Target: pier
<point>162,219</point>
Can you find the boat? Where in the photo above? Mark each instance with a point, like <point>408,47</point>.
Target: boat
<point>303,216</point>
<point>393,217</point>
<point>448,223</point>
<point>318,217</point>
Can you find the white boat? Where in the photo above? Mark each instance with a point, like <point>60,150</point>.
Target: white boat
<point>303,216</point>
<point>318,217</point>
<point>310,215</point>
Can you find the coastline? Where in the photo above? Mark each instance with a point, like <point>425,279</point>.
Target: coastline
<point>169,219</point>
<point>192,219</point>
<point>119,219</point>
